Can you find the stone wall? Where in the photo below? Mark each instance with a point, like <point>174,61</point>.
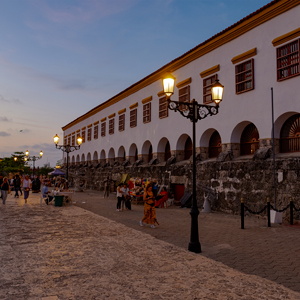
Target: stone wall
<point>224,182</point>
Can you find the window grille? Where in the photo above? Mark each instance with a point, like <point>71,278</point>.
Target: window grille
<point>122,122</point>
<point>111,126</point>
<point>103,128</point>
<point>163,108</point>
<point>95,132</point>
<point>133,118</point>
<point>147,112</point>
<point>244,76</point>
<point>207,84</point>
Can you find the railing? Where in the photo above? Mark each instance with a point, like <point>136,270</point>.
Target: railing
<point>290,144</point>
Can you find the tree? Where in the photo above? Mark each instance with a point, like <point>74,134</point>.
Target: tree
<point>60,163</point>
<point>10,165</point>
<point>45,170</point>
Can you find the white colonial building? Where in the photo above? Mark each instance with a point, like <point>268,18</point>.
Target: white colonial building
<point>249,58</point>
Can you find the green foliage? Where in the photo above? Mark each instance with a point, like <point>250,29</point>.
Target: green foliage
<point>9,165</point>
<point>60,163</point>
<point>45,170</point>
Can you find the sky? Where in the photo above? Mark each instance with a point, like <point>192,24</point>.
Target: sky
<point>61,58</point>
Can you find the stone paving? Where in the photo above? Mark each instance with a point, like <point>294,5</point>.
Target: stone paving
<point>51,253</point>
<point>272,253</point>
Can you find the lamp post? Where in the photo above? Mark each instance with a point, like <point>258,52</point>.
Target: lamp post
<point>193,111</point>
<point>32,158</point>
<point>67,149</point>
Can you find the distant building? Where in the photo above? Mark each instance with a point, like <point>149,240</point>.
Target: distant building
<point>251,56</point>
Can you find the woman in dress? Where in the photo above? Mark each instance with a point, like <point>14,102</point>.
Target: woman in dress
<point>149,207</point>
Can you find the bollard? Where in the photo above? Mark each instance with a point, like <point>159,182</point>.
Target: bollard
<point>268,212</point>
<point>291,211</point>
<point>242,213</point>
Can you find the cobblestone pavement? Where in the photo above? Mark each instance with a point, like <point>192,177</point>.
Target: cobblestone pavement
<point>58,253</point>
<point>272,253</point>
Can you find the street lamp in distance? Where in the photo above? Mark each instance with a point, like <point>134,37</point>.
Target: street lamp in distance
<point>33,159</point>
<point>194,112</point>
<point>67,149</point>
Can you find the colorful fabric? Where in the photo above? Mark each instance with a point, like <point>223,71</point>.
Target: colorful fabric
<point>149,211</point>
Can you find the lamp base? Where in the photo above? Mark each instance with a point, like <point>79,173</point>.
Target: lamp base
<point>195,247</point>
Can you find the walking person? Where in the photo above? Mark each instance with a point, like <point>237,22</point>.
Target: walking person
<point>149,207</point>
<point>119,196</point>
<point>106,187</point>
<point>4,189</point>
<point>26,187</point>
<point>17,186</point>
<point>1,181</point>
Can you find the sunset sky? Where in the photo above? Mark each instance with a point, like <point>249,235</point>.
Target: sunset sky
<point>61,58</point>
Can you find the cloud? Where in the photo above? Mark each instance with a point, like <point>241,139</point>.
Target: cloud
<point>3,133</point>
<point>14,101</point>
<point>5,119</point>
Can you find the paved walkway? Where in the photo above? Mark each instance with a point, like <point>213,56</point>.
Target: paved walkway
<point>51,253</point>
<point>272,253</point>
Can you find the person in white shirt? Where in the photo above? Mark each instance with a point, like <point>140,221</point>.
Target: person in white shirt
<point>26,187</point>
<point>125,193</point>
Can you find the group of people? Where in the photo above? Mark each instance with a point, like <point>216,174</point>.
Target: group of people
<point>146,189</point>
<point>16,182</point>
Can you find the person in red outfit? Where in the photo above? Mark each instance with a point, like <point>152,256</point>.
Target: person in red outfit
<point>164,199</point>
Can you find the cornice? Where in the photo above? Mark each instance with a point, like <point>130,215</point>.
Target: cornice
<point>122,111</point>
<point>286,37</point>
<point>184,82</point>
<point>111,116</point>
<point>210,71</point>
<point>89,126</point>
<point>257,18</point>
<point>78,130</point>
<point>244,56</point>
<point>146,100</point>
<point>83,128</point>
<point>160,94</point>
<point>73,132</point>
<point>97,122</point>
<point>134,105</point>
<point>103,119</point>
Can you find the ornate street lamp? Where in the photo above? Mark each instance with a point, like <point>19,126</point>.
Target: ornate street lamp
<point>67,149</point>
<point>32,158</point>
<point>194,112</point>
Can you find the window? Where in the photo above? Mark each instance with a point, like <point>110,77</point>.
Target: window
<point>121,122</point>
<point>83,136</point>
<point>73,140</point>
<point>69,140</point>
<point>103,128</point>
<point>65,140</point>
<point>288,60</point>
<point>111,126</point>
<point>163,107</point>
<point>133,117</point>
<point>95,132</point>
<point>184,96</point>
<point>207,84</point>
<point>244,76</point>
<point>89,134</point>
<point>77,136</point>
<point>147,112</point>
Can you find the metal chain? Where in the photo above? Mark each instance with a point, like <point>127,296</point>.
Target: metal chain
<point>296,208</point>
<point>280,210</point>
<point>255,213</point>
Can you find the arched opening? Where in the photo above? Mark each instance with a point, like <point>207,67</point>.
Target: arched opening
<point>150,153</point>
<point>102,157</point>
<point>249,140</point>
<point>188,148</point>
<point>290,135</point>
<point>136,157</point>
<point>73,160</point>
<point>133,153</point>
<point>167,151</point>
<point>77,159</point>
<point>215,145</point>
<point>111,156</point>
<point>163,150</point>
<point>147,152</point>
<point>82,158</point>
<point>121,154</point>
<point>88,158</point>
<point>95,157</point>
